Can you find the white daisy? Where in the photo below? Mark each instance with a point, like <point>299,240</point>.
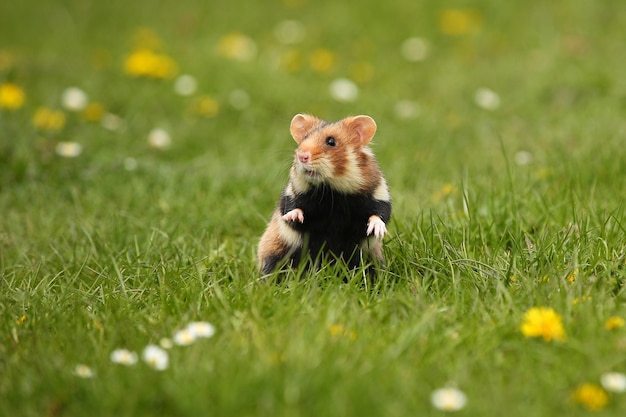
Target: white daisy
<point>344,90</point>
<point>414,49</point>
<point>289,32</point>
<point>184,337</point>
<point>69,149</point>
<point>74,99</point>
<point>185,85</point>
<point>111,122</point>
<point>156,357</point>
<point>448,399</point>
<point>201,329</point>
<point>239,99</point>
<point>523,158</point>
<point>83,371</point>
<point>613,381</point>
<point>407,109</point>
<point>159,138</point>
<point>487,99</point>
<point>123,357</point>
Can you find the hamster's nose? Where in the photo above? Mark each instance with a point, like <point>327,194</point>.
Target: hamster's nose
<point>304,157</point>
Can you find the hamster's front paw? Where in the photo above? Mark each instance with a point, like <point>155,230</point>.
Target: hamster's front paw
<point>295,215</point>
<point>377,226</point>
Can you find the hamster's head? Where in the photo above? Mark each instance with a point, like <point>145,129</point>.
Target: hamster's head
<point>335,154</point>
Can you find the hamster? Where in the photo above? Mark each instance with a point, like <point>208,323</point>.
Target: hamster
<point>336,204</point>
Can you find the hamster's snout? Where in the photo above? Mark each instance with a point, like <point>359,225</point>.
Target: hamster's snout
<point>304,156</point>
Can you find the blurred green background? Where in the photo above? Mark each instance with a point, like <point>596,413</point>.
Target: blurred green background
<point>143,145</point>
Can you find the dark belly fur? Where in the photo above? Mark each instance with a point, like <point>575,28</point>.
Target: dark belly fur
<point>334,223</point>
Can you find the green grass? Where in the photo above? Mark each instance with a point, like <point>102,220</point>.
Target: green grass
<point>94,256</point>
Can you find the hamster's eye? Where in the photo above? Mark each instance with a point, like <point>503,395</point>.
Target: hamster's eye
<point>330,141</point>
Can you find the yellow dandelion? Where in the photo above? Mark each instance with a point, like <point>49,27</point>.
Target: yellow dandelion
<point>291,61</point>
<point>544,278</point>
<point>543,322</point>
<point>571,278</point>
<point>582,299</point>
<point>338,330</point>
<point>205,106</point>
<point>591,396</point>
<point>237,46</point>
<point>93,112</point>
<point>362,72</point>
<point>458,22</point>
<point>147,63</point>
<point>12,97</point>
<point>21,320</point>
<point>322,61</point>
<point>48,119</point>
<point>445,191</point>
<point>614,322</point>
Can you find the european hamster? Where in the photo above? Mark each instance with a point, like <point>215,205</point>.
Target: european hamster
<point>336,203</point>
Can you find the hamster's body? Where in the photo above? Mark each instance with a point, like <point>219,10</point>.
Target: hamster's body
<point>336,203</point>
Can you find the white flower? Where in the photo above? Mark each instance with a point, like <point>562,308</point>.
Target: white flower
<point>613,381</point>
<point>414,49</point>
<point>344,90</point>
<point>487,99</point>
<point>289,32</point>
<point>83,371</point>
<point>407,109</point>
<point>184,337</point>
<point>201,329</point>
<point>448,399</point>
<point>130,164</point>
<point>185,85</point>
<point>74,99</point>
<point>69,149</point>
<point>166,343</point>
<point>159,138</point>
<point>523,158</point>
<point>111,122</point>
<point>239,99</point>
<point>155,357</point>
<point>123,357</point>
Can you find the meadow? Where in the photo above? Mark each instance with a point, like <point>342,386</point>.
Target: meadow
<point>143,146</point>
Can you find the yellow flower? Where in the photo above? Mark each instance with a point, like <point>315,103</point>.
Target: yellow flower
<point>614,322</point>
<point>322,60</point>
<point>582,299</point>
<point>591,396</point>
<point>571,278</point>
<point>48,119</point>
<point>237,46</point>
<point>11,96</point>
<point>291,61</point>
<point>544,322</point>
<point>147,63</point>
<point>362,72</point>
<point>445,191</point>
<point>205,106</point>
<point>457,22</point>
<point>337,330</point>
<point>93,112</point>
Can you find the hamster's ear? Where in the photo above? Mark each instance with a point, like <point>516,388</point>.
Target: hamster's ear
<point>362,127</point>
<point>301,125</point>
